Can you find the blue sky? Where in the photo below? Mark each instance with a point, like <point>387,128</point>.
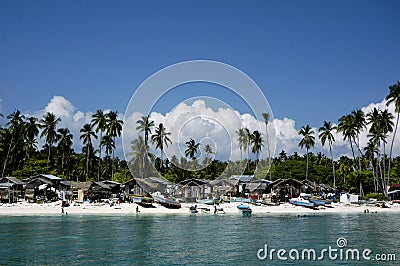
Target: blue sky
<point>314,60</point>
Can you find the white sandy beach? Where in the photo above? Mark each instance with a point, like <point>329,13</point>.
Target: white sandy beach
<point>23,208</point>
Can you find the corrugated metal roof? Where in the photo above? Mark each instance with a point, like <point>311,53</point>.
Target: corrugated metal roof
<point>50,177</point>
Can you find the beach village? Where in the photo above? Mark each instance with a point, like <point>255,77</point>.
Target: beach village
<point>239,194</point>
<point>40,180</point>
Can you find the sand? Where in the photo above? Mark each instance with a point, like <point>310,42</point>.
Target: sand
<point>24,208</point>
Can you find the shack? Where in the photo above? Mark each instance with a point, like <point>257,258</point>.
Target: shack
<point>11,189</point>
<point>98,191</point>
<point>40,190</point>
<point>147,186</point>
<point>193,189</point>
<point>285,189</point>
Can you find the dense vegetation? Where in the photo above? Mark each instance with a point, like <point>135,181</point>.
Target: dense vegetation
<point>371,168</point>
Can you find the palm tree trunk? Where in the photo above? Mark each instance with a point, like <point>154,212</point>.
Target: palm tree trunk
<point>380,171</point>
<point>8,154</point>
<point>269,161</point>
<point>162,162</point>
<point>333,167</point>
<point>391,145</point>
<point>62,163</point>
<point>87,162</point>
<point>48,156</point>
<point>359,153</point>
<point>352,150</point>
<point>384,163</point>
<point>98,166</point>
<point>307,166</point>
<point>112,163</point>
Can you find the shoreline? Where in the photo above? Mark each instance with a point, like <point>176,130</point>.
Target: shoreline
<point>32,209</point>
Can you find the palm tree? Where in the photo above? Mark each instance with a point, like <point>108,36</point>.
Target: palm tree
<point>257,142</point>
<point>393,97</point>
<point>160,138</point>
<point>358,123</point>
<point>14,126</point>
<point>144,125</point>
<point>346,127</point>
<point>326,134</point>
<point>31,130</point>
<point>386,123</point>
<point>377,135</point>
<point>49,124</point>
<point>208,150</point>
<point>114,128</point>
<point>381,124</point>
<point>308,141</point>
<point>86,136</point>
<point>370,151</point>
<point>64,144</point>
<point>99,120</point>
<point>192,148</point>
<point>108,143</point>
<point>243,142</point>
<point>140,152</point>
<point>266,120</point>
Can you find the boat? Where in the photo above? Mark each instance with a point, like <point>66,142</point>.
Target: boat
<point>166,202</point>
<point>207,201</point>
<point>320,202</point>
<point>145,202</point>
<point>245,209</point>
<point>246,212</point>
<point>142,199</point>
<point>303,203</point>
<point>193,209</point>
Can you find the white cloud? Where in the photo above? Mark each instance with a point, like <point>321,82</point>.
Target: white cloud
<point>208,126</point>
<point>72,119</point>
<point>60,106</point>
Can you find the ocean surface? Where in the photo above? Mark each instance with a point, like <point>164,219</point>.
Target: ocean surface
<point>199,239</point>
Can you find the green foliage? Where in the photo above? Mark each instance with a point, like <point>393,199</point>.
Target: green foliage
<point>377,196</point>
<point>31,168</point>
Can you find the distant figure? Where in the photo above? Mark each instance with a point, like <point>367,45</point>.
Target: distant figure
<point>215,209</point>
<point>62,210</point>
<point>137,209</point>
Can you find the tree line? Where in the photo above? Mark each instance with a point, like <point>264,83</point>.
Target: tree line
<point>371,168</point>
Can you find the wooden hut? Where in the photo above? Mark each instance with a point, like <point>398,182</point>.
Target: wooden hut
<point>80,190</point>
<point>99,191</point>
<point>258,188</point>
<point>147,186</point>
<point>193,189</point>
<point>221,187</point>
<point>286,188</point>
<point>11,189</point>
<point>41,189</point>
<point>241,182</point>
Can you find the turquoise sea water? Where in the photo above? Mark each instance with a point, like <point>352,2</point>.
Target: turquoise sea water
<point>191,239</point>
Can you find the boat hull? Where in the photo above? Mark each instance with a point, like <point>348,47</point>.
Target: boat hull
<point>167,203</point>
<point>303,203</point>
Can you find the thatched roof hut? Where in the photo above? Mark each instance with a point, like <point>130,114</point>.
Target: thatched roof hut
<point>147,186</point>
<point>192,189</point>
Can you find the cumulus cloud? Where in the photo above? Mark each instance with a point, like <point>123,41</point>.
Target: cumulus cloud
<point>216,127</point>
<point>70,118</point>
